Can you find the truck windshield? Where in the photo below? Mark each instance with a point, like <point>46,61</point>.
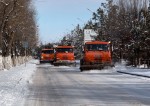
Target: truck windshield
<point>92,47</point>
<point>47,51</point>
<point>64,50</point>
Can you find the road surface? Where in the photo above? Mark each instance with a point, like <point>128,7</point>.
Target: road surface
<point>64,86</point>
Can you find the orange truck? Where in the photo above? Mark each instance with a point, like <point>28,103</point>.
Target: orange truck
<point>47,56</point>
<point>64,55</point>
<point>96,55</point>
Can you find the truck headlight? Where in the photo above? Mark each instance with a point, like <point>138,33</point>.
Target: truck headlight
<point>58,58</point>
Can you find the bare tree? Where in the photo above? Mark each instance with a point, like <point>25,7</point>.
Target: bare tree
<point>17,25</point>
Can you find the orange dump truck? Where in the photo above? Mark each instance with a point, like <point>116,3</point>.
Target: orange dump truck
<point>64,55</point>
<point>96,55</point>
<point>47,55</point>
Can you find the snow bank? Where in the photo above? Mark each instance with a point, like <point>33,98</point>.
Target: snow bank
<point>121,66</point>
<point>8,62</point>
<point>13,84</point>
<point>1,64</point>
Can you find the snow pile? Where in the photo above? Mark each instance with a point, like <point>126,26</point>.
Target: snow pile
<point>143,66</point>
<point>9,62</point>
<point>121,66</point>
<point>77,61</point>
<point>138,71</point>
<point>13,84</point>
<point>1,64</point>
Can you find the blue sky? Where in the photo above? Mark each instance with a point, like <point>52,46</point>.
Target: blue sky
<point>58,17</point>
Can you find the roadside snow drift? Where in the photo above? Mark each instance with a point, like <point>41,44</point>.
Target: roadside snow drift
<point>13,84</point>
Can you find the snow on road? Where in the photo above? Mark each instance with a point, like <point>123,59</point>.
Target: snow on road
<point>13,84</point>
<point>118,67</point>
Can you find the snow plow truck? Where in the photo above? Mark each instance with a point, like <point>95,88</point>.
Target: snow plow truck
<point>96,55</point>
<point>64,55</point>
<point>47,56</point>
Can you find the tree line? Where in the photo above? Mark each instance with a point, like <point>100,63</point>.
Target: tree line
<point>18,27</point>
<point>125,23</point>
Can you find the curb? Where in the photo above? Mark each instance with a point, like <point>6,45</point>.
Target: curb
<point>133,74</point>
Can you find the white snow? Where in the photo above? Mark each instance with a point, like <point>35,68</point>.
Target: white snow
<point>121,67</point>
<point>43,65</point>
<point>13,84</point>
<point>105,70</point>
<point>132,70</point>
<point>63,67</point>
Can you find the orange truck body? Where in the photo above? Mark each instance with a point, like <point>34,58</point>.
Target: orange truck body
<point>96,55</point>
<point>64,55</point>
<point>47,55</point>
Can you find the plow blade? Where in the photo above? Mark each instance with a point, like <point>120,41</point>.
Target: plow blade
<point>64,63</point>
<point>95,66</point>
<point>89,67</point>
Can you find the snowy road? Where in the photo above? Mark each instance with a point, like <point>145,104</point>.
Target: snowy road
<point>64,86</point>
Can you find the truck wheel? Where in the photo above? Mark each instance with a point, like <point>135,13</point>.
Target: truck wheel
<point>81,62</point>
<point>52,62</point>
<point>40,62</point>
<point>81,69</point>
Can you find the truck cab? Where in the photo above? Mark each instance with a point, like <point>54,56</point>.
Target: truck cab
<point>47,56</point>
<point>96,55</point>
<point>64,55</point>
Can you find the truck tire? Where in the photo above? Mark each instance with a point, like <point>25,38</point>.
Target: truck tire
<point>81,69</point>
<point>40,62</point>
<point>81,63</point>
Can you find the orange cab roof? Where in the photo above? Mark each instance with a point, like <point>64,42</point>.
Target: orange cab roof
<point>97,42</point>
<point>64,47</point>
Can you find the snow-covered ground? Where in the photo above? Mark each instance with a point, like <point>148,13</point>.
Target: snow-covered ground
<point>119,67</point>
<point>13,83</point>
<point>139,71</point>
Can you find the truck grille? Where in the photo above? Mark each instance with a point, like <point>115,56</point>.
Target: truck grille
<point>97,57</point>
<point>65,57</point>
